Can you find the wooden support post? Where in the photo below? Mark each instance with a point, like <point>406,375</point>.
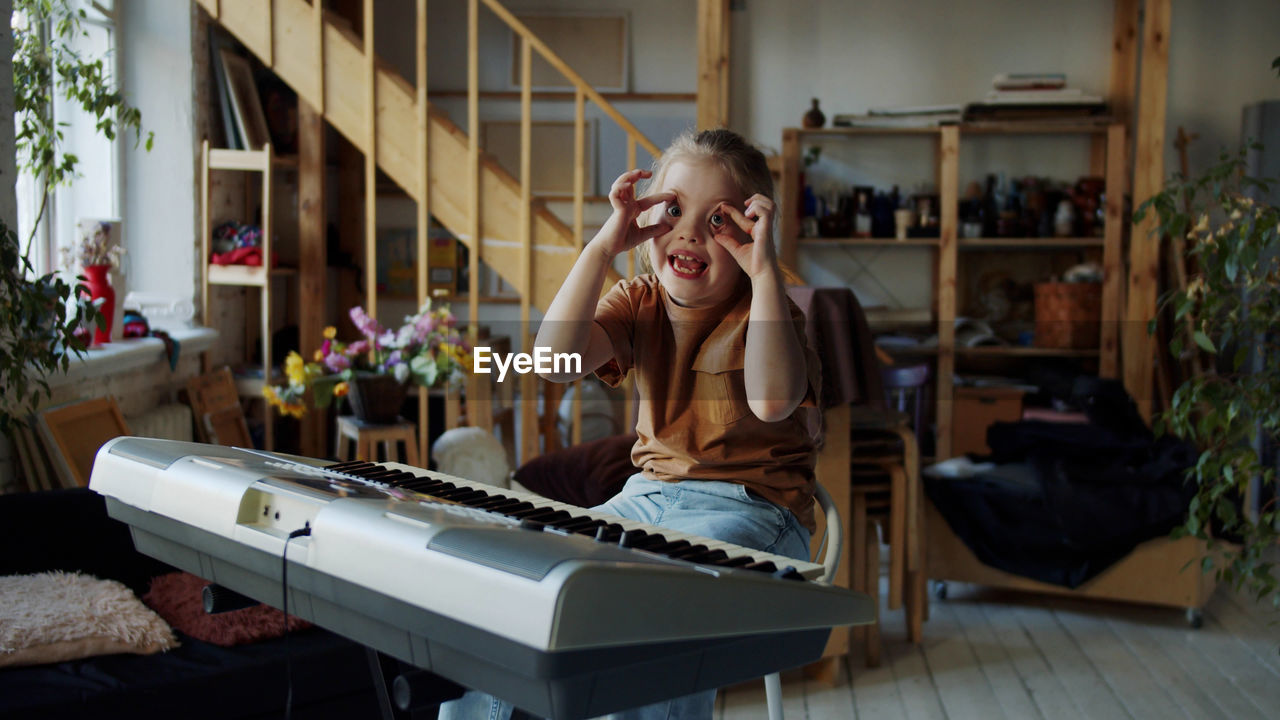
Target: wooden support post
<point>205,232</point>
<point>473,184</point>
<point>579,190</point>
<point>948,182</point>
<point>312,254</point>
<point>424,215</point>
<point>370,166</point>
<point>1112,259</point>
<point>713,64</point>
<point>529,424</point>
<point>317,23</point>
<point>268,179</point>
<point>1124,71</point>
<point>1148,177</point>
<point>789,192</point>
<point>270,7</point>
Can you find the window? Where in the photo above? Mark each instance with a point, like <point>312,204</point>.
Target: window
<point>95,191</point>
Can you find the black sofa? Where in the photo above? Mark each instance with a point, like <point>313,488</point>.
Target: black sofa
<point>70,530</point>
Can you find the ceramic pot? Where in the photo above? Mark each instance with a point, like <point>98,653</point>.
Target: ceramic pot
<point>814,117</point>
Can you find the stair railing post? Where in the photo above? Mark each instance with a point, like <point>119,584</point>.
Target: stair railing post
<point>370,167</point>
<point>528,381</point>
<point>579,191</point>
<point>424,216</point>
<point>473,161</point>
<point>317,22</point>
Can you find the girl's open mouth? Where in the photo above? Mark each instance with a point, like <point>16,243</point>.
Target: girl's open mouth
<point>686,266</point>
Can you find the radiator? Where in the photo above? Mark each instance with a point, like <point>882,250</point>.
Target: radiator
<point>169,422</point>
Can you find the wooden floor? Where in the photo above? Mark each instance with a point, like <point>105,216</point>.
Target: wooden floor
<point>992,654</point>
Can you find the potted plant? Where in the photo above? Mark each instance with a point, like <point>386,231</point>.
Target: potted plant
<point>1232,301</point>
<point>373,372</point>
<point>40,315</point>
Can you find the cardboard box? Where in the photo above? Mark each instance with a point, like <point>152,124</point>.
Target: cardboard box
<point>975,410</point>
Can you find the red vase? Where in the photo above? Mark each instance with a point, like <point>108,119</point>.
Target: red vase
<point>98,281</point>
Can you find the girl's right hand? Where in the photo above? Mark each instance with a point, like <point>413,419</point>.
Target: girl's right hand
<point>621,232</point>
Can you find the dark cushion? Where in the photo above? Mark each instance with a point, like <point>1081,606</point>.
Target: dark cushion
<point>585,475</point>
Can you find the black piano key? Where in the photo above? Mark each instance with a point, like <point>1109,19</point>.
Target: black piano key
<point>762,566</point>
<point>580,524</point>
<point>520,510</point>
<point>458,494</point>
<point>493,502</point>
<point>676,546</point>
<point>349,465</point>
<point>631,537</point>
<point>398,479</point>
<point>738,561</point>
<point>542,515</point>
<point>609,533</point>
<point>686,552</point>
<point>422,485</point>
<point>710,557</point>
<point>653,543</point>
<point>475,497</point>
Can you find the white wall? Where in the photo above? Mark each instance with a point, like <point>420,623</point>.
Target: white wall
<point>160,187</point>
<point>8,163</point>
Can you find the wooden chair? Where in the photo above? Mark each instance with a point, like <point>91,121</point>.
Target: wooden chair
<point>215,404</point>
<point>74,432</point>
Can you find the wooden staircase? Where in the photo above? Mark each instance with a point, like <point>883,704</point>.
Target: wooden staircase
<point>318,56</point>
<point>437,164</point>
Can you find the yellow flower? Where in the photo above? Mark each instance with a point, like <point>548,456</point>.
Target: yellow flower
<point>295,368</point>
<point>318,356</point>
<point>330,332</point>
<point>341,389</point>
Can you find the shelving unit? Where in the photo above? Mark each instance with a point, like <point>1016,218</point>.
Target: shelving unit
<point>950,250</point>
<point>264,163</point>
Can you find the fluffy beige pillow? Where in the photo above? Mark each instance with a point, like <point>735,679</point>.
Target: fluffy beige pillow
<point>57,616</point>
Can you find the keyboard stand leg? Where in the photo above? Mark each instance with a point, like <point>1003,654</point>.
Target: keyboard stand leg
<point>412,688</point>
<point>380,686</point>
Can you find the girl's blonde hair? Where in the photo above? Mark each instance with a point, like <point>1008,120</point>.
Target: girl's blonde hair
<point>746,166</point>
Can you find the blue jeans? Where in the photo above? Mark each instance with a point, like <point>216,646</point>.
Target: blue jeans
<point>719,510</point>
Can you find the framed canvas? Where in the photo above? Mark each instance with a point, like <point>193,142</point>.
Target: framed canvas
<point>246,105</point>
<point>551,161</point>
<point>74,432</point>
<point>594,44</point>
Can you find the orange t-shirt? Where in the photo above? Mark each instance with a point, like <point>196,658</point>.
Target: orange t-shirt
<point>694,422</point>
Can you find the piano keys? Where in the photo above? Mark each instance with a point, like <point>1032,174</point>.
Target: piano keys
<point>562,611</point>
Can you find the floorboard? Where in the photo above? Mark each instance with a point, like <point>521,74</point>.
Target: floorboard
<point>992,654</point>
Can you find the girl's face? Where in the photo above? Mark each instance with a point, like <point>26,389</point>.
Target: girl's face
<point>695,269</point>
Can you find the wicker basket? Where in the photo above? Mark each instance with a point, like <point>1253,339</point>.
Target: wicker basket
<point>1068,315</point>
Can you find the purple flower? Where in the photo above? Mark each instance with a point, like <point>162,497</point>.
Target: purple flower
<point>336,362</point>
<point>365,324</point>
<point>358,347</point>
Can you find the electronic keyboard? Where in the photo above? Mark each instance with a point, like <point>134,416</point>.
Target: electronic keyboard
<point>562,611</point>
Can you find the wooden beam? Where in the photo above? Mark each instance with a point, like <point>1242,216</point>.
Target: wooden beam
<point>317,27</point>
<point>370,166</point>
<point>1138,346</point>
<point>1124,80</point>
<point>312,254</point>
<point>948,185</point>
<point>713,64</point>
<point>268,179</point>
<point>424,212</point>
<point>205,232</point>
<point>1112,255</point>
<point>529,424</point>
<point>789,197</point>
<point>473,194</point>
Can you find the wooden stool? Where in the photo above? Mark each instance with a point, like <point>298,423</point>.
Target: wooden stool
<point>367,436</point>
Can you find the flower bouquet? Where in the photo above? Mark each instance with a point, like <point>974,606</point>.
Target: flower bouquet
<point>374,371</point>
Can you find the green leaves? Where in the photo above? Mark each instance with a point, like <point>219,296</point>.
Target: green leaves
<point>45,58</point>
<point>1232,304</point>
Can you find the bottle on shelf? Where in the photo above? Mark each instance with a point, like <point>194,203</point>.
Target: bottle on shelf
<point>989,209</point>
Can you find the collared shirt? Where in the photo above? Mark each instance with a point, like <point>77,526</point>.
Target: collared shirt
<point>694,422</point>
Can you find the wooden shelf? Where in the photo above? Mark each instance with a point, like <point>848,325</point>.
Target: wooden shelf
<point>1065,126</point>
<point>1022,351</point>
<point>1046,243</point>
<point>245,275</point>
<point>869,242</point>
<point>910,351</point>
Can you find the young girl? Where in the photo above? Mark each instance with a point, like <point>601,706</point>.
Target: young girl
<point>727,412</point>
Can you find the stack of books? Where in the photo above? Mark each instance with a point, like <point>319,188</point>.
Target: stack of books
<point>1033,96</point>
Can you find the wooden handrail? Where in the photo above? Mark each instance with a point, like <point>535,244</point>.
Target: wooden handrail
<point>573,77</point>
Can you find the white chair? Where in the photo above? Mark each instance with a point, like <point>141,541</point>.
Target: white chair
<point>830,554</point>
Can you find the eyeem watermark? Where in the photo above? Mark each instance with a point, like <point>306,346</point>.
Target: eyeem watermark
<point>541,361</point>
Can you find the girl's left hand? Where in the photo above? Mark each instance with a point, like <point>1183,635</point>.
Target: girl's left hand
<point>757,255</point>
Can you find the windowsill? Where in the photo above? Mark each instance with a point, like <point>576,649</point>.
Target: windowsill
<point>133,353</point>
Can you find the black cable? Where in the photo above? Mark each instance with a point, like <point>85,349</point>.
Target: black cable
<point>284,611</point>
